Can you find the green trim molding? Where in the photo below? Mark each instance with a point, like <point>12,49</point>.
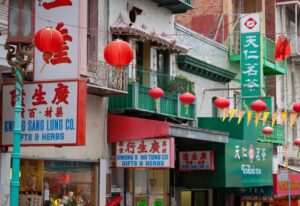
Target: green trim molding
<point>203,69</point>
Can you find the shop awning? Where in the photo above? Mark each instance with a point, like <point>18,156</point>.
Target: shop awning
<point>123,26</point>
<point>123,128</point>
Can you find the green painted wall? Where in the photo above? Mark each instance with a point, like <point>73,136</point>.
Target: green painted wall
<point>205,179</point>
<point>240,131</point>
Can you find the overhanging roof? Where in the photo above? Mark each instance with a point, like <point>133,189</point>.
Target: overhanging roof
<point>123,128</point>
<point>123,26</point>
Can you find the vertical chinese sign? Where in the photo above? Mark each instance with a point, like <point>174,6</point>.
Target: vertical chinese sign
<point>52,113</point>
<point>147,153</point>
<point>251,68</point>
<point>68,17</point>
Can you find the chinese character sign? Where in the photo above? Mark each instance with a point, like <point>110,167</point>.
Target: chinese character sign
<point>251,71</point>
<point>196,160</point>
<point>248,163</point>
<point>49,114</point>
<point>150,153</point>
<point>63,15</point>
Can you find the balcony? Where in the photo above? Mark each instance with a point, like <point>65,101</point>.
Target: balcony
<point>277,137</point>
<point>105,80</point>
<point>270,66</point>
<point>138,102</point>
<point>176,6</point>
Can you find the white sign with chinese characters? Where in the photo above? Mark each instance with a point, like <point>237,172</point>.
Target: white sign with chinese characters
<point>147,153</point>
<point>49,114</point>
<point>62,15</point>
<point>252,154</point>
<point>196,160</point>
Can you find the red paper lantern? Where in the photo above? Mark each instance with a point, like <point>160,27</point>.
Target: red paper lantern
<point>296,107</point>
<point>222,102</point>
<point>297,142</point>
<point>259,106</point>
<point>187,98</point>
<point>267,130</point>
<point>156,93</point>
<point>48,40</point>
<point>118,53</point>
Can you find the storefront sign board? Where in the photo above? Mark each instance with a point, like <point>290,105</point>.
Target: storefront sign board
<point>251,67</point>
<point>53,113</point>
<point>147,153</point>
<point>281,187</point>
<point>196,160</point>
<point>248,163</point>
<point>67,16</point>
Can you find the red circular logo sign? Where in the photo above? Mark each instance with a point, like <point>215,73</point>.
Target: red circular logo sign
<point>250,23</point>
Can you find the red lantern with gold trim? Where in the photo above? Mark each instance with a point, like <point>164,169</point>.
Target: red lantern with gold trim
<point>187,99</point>
<point>118,53</point>
<point>156,93</point>
<point>296,107</point>
<point>259,106</point>
<point>267,130</point>
<point>222,102</point>
<point>48,40</point>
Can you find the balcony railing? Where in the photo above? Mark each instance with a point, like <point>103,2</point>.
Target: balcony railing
<point>271,67</point>
<point>138,99</point>
<point>173,84</point>
<point>105,80</point>
<point>277,137</point>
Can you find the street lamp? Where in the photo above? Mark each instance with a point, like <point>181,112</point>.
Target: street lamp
<point>19,54</point>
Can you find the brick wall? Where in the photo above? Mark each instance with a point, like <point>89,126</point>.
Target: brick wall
<point>204,18</point>
<point>3,16</point>
<point>270,19</point>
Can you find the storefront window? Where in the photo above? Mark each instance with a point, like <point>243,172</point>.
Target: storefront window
<point>69,183</point>
<point>150,186</point>
<point>56,183</point>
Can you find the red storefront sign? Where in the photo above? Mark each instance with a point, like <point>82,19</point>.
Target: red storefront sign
<point>196,160</point>
<point>53,113</point>
<point>146,153</point>
<point>281,187</point>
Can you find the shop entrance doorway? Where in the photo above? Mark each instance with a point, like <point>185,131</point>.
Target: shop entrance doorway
<point>194,198</point>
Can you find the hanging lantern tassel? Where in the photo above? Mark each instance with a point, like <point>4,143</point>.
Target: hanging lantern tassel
<point>156,104</point>
<point>225,113</point>
<point>186,106</point>
<point>249,117</point>
<point>241,115</point>
<point>274,117</point>
<point>293,117</point>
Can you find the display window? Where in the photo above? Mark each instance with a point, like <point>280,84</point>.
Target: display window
<point>57,183</point>
<point>148,187</point>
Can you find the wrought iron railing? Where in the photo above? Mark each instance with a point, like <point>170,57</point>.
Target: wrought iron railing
<point>102,75</point>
